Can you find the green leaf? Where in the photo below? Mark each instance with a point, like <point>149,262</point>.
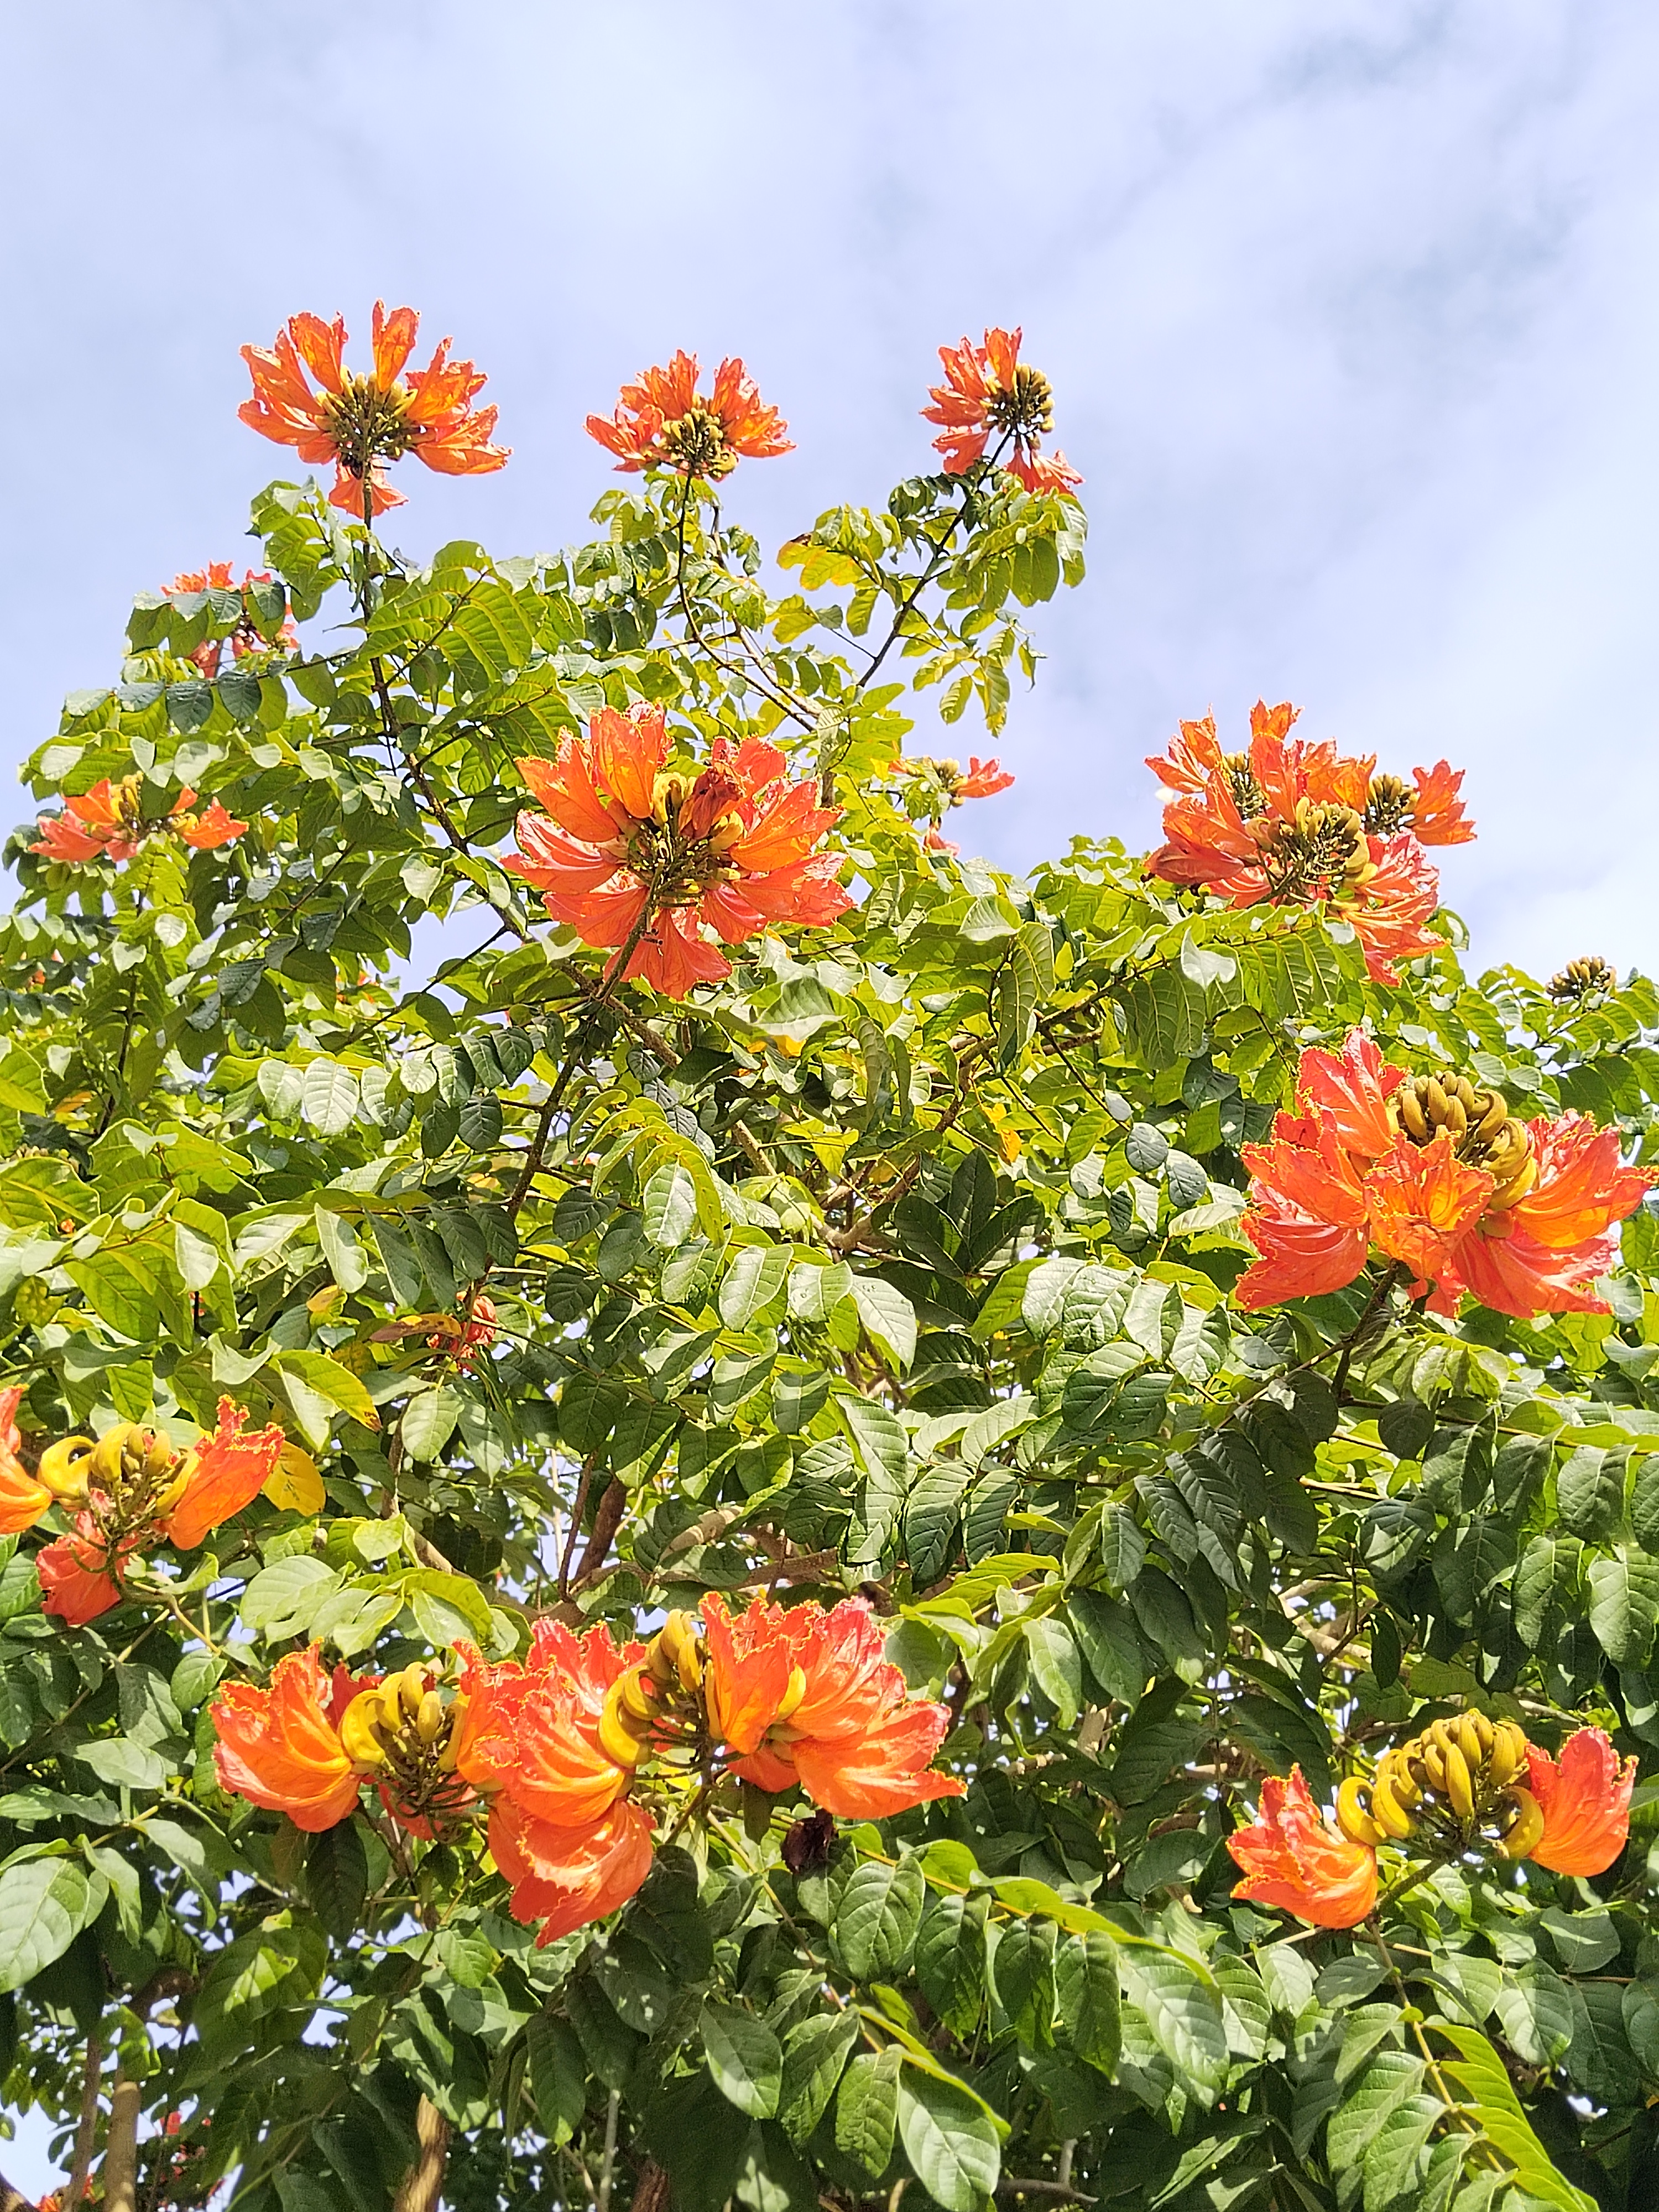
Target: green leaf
<point>428,1421</point>
<point>1088,2016</point>
<point>328,1097</point>
<point>45,1903</point>
<point>950,1958</point>
<point>744,2057</point>
<point>949,2139</point>
<point>1590,1491</point>
<point>866,2109</point>
<point>815,2053</point>
<point>1056,1666</point>
<point>1395,2158</point>
<point>336,1878</point>
<point>284,1598</point>
<point>1184,2013</point>
<point>878,1917</point>
<point>755,1278</point>
<point>888,1317</point>
<point>558,2074</point>
<point>1624,1603</point>
<point>1535,2012</point>
<point>116,1759</point>
<point>1024,1971</point>
<point>1392,2077</point>
<point>669,1206</point>
<point>328,1380</point>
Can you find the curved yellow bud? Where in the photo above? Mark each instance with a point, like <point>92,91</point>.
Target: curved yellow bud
<point>361,1729</point>
<point>65,1466</point>
<point>1460,1784</point>
<point>1389,1814</point>
<point>429,1719</point>
<point>1526,1831</point>
<point>795,1691</point>
<point>1352,1817</point>
<point>168,1496</point>
<point>109,1454</point>
<point>617,1740</point>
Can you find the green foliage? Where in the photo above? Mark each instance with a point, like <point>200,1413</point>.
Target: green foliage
<point>900,1262</point>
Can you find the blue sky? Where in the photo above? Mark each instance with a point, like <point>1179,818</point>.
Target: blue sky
<point>1350,311</point>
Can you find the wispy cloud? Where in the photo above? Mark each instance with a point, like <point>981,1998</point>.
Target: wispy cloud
<point>1344,304</point>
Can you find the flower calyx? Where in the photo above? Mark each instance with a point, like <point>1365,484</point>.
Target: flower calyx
<point>1452,1789</point>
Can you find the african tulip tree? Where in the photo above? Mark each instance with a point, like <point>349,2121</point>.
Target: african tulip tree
<point>822,1523</point>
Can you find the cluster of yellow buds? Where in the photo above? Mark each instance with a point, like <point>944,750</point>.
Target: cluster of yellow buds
<point>406,1733</point>
<point>128,1462</point>
<point>1453,1785</point>
<point>1322,852</point>
<point>1481,1127</point>
<point>671,1668</point>
<point>1390,805</point>
<point>1584,979</point>
<point>402,1716</point>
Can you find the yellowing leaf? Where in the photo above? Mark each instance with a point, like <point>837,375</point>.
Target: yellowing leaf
<point>296,1487</point>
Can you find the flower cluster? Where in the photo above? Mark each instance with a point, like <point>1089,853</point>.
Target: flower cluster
<point>1294,823</point>
<point>1461,1785</point>
<point>635,855</point>
<point>108,822</point>
<point>989,394</point>
<point>124,1492</point>
<point>463,1337</point>
<point>247,638</point>
<point>361,423</point>
<point>663,421</point>
<point>1438,1175</point>
<point>556,1752</point>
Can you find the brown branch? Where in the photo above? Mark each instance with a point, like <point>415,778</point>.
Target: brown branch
<point>606,1521</point>
<point>577,1507</point>
<point>86,2134</point>
<point>425,2179</point>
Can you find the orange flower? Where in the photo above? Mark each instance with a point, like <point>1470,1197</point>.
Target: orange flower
<point>988,391</point>
<point>247,637</point>
<point>23,1499</point>
<point>751,1673</point>
<point>1293,1858</point>
<point>206,831</point>
<point>983,779</point>
<point>630,853</point>
<point>108,822</point>
<point>80,1573</point>
<point>462,1338</point>
<point>565,1877</point>
<point>663,421</point>
<point>224,1472</point>
<point>1438,1176</point>
<point>1585,1803</point>
<point>841,1722</point>
<point>280,1747</point>
<point>532,1731</point>
<point>1295,823</point>
<point>360,421</point>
